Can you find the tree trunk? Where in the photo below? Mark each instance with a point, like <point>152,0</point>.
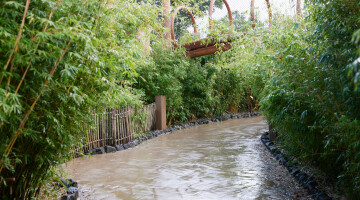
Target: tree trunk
<point>252,13</point>
<point>298,7</point>
<point>167,22</point>
<point>270,13</point>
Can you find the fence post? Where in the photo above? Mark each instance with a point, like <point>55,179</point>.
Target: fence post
<point>160,112</point>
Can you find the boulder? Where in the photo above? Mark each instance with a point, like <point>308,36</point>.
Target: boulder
<point>73,191</point>
<point>136,142</point>
<point>110,149</point>
<point>149,136</point>
<point>100,150</point>
<point>126,146</point>
<point>119,147</point>
<point>91,151</point>
<point>131,144</point>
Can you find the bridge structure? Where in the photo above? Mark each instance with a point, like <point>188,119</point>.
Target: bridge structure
<point>207,46</point>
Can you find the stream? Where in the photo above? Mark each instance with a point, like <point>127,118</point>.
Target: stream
<point>216,161</point>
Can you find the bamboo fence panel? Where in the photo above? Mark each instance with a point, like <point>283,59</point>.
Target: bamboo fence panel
<point>117,126</point>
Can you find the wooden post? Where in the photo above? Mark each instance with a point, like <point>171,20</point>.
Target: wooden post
<point>160,112</point>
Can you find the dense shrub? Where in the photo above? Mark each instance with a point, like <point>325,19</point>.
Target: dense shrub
<point>195,88</point>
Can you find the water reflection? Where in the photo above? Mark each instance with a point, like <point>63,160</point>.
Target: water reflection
<point>216,161</point>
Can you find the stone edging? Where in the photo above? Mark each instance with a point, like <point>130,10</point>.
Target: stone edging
<point>71,189</point>
<point>152,134</point>
<point>307,181</point>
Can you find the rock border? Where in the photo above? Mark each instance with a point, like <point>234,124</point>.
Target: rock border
<point>72,190</point>
<point>152,134</point>
<point>307,181</point>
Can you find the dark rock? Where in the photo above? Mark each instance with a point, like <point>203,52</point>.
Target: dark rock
<point>149,136</point>
<point>272,149</point>
<point>72,197</point>
<point>131,144</point>
<point>119,147</point>
<point>72,183</point>
<point>136,142</point>
<point>73,190</point>
<point>91,151</point>
<point>277,156</point>
<point>282,161</point>
<point>67,183</point>
<point>65,197</point>
<point>126,146</point>
<point>109,149</point>
<point>100,150</point>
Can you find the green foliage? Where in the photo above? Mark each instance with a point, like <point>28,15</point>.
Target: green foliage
<point>82,56</point>
<point>195,88</point>
<point>312,97</point>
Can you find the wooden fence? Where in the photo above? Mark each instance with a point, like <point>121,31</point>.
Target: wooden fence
<point>118,126</point>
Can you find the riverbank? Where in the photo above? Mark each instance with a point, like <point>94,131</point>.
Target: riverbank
<point>311,179</point>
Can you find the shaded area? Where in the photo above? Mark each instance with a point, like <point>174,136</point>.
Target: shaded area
<point>218,161</point>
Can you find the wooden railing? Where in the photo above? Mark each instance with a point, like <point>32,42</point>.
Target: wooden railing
<point>118,126</point>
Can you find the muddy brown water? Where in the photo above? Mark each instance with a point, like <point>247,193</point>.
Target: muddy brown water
<point>216,161</point>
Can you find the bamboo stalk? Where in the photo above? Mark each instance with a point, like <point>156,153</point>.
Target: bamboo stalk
<point>87,138</point>
<point>17,39</point>
<point>127,124</point>
<point>118,126</point>
<point>37,46</point>
<point>96,131</point>
<point>23,122</point>
<point>122,125</point>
